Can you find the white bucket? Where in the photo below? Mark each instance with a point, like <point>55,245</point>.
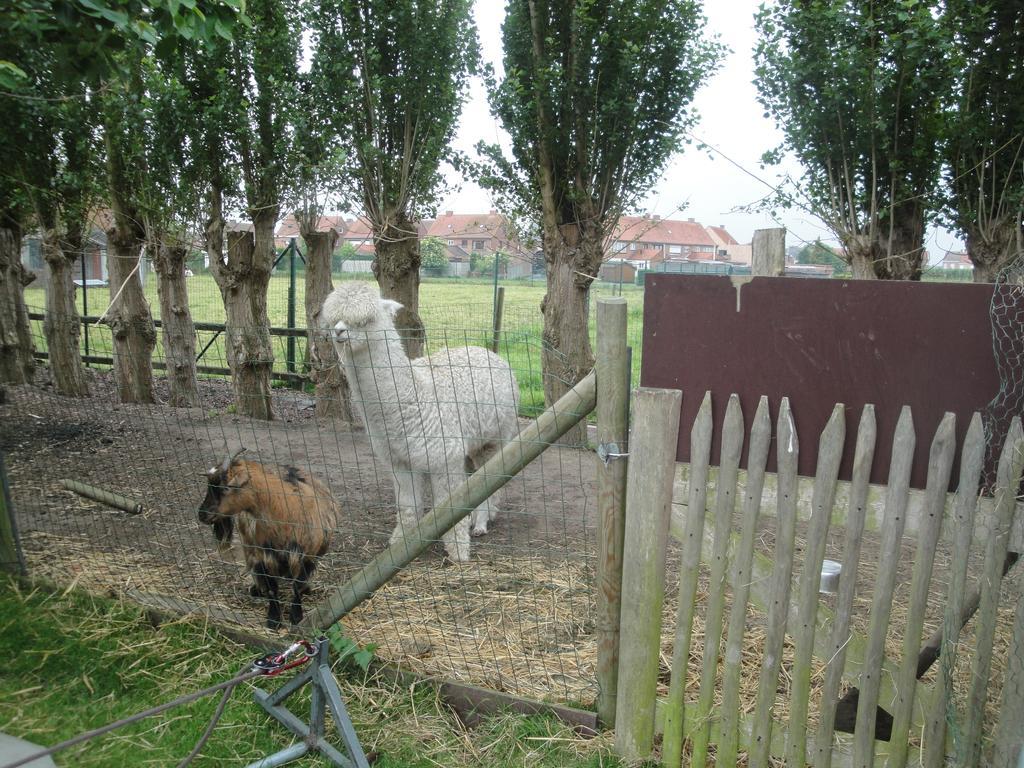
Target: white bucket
<point>830,571</point>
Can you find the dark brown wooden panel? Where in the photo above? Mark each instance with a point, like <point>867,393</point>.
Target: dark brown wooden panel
<point>821,342</point>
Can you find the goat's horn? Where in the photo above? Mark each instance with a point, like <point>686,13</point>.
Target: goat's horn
<point>231,459</point>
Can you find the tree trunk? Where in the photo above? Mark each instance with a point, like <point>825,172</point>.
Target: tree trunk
<point>573,257</point>
<point>396,265</point>
<point>129,318</point>
<point>178,331</point>
<point>17,363</point>
<point>243,278</point>
<point>62,326</point>
<point>904,257</point>
<point>333,399</point>
<point>993,250</point>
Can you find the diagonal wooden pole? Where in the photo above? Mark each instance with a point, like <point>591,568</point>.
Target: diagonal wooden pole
<point>569,410</point>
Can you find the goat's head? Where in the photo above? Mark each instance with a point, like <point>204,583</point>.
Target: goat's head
<point>229,478</point>
<point>355,314</point>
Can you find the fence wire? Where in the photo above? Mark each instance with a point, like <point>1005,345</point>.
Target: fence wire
<point>517,616</point>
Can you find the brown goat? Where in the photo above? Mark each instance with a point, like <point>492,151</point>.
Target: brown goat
<point>284,519</point>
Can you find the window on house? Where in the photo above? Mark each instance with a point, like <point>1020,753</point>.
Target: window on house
<point>465,243</point>
<point>451,242</point>
<point>675,249</point>
<point>618,246</point>
<point>632,246</point>
<point>478,245</point>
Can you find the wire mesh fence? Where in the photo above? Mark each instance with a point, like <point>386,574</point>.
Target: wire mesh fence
<point>516,616</point>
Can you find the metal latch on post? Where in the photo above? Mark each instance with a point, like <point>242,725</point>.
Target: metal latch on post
<point>607,452</point>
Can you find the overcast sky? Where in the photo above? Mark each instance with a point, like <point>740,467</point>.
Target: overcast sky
<point>697,184</point>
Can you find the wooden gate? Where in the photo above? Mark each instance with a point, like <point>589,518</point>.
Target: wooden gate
<point>712,721</point>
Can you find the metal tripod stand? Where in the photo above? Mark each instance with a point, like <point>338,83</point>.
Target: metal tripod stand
<point>325,694</point>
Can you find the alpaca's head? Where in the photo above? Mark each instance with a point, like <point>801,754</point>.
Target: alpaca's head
<point>355,315</point>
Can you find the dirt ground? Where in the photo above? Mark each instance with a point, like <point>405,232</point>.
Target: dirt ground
<point>517,618</point>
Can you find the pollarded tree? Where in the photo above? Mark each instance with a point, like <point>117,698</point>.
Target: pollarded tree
<point>243,91</point>
<point>172,203</point>
<point>124,122</point>
<point>411,60</point>
<point>144,109</point>
<point>320,168</point>
<point>17,361</point>
<point>596,99</point>
<point>60,173</point>
<point>985,144</point>
<point>857,90</point>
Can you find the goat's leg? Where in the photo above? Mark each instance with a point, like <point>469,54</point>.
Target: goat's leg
<point>300,587</point>
<point>408,497</point>
<point>264,576</point>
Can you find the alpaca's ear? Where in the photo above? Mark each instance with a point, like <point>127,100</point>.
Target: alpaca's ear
<point>390,307</point>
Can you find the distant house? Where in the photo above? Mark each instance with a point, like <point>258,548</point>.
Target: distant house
<point>481,234</point>
<point>289,228</point>
<point>723,241</point>
<point>955,260</point>
<point>645,242</point>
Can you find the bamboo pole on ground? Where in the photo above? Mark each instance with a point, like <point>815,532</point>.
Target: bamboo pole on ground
<point>651,472</point>
<point>111,499</point>
<point>564,414</point>
<point>612,433</point>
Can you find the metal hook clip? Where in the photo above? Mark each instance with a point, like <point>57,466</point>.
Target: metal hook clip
<point>607,452</point>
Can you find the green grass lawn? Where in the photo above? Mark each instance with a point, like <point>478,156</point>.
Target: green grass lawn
<point>455,312</point>
<point>76,662</point>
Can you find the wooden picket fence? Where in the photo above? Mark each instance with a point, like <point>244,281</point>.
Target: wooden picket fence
<point>712,729</point>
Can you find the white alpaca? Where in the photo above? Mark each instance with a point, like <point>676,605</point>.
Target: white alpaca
<point>440,417</point>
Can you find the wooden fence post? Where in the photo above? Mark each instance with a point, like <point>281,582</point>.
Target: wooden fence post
<point>725,507</point>
<point>10,555</point>
<point>826,474</point>
<point>885,583</point>
<point>564,414</point>
<point>612,433</point>
<point>689,570</point>
<point>499,309</point>
<point>768,252</point>
<point>651,472</point>
<point>1011,464</point>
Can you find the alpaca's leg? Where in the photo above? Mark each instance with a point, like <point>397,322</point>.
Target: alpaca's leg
<point>487,511</point>
<point>456,541</point>
<point>408,498</point>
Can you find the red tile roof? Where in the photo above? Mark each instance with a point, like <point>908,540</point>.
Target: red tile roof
<point>957,257</point>
<point>449,225</point>
<point>723,235</point>
<point>358,229</point>
<point>289,227</point>
<point>643,229</point>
